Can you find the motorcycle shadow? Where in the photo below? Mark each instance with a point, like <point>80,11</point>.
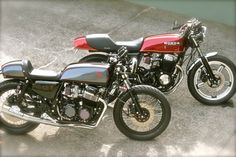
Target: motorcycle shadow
<point>65,142</point>
<point>186,134</point>
<point>103,141</point>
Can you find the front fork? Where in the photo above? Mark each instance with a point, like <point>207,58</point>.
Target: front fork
<point>204,61</point>
<point>138,108</point>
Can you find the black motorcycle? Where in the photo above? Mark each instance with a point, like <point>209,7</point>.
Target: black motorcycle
<point>78,97</point>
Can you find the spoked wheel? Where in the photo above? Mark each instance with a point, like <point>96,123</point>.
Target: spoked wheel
<point>12,124</point>
<point>154,120</point>
<point>213,93</point>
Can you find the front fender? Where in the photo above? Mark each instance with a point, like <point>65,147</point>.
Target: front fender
<point>121,95</point>
<point>210,54</point>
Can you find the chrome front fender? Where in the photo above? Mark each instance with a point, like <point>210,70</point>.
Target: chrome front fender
<point>210,54</point>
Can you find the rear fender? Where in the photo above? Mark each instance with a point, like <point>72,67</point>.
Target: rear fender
<point>6,79</point>
<point>10,80</point>
<point>210,54</point>
<point>95,57</point>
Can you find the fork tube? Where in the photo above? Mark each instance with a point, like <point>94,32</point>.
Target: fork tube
<point>204,60</point>
<point>206,64</point>
<point>132,95</point>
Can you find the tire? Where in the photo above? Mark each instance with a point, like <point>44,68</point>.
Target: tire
<point>142,135</point>
<point>202,97</point>
<point>11,128</point>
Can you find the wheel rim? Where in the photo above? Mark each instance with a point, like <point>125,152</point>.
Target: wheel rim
<point>155,113</point>
<point>5,118</point>
<point>225,81</point>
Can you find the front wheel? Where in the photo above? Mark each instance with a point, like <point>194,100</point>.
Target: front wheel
<point>155,118</point>
<point>206,92</point>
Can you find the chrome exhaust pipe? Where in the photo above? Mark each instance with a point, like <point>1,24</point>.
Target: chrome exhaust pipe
<point>45,119</point>
<point>12,112</point>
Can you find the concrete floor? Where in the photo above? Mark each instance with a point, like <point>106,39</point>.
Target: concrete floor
<point>43,31</point>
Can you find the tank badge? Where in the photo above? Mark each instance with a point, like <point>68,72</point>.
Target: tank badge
<point>99,74</point>
<point>172,43</point>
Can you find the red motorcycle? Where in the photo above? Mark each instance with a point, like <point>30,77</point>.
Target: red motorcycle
<point>158,60</point>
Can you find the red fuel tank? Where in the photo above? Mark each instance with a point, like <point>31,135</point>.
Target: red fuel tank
<point>81,43</point>
<point>164,43</point>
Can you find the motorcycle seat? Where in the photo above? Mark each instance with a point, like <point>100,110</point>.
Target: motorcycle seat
<point>37,74</point>
<point>103,42</point>
<point>134,45</point>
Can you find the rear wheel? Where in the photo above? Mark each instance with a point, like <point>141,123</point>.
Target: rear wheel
<point>213,94</point>
<point>155,118</point>
<point>11,124</point>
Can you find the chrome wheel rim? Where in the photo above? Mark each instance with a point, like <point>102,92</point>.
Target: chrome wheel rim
<point>225,81</point>
<point>154,108</point>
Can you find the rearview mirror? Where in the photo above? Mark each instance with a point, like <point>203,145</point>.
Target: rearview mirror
<point>175,23</point>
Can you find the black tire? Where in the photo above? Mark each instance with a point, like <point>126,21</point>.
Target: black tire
<point>200,98</point>
<point>11,128</point>
<point>146,135</point>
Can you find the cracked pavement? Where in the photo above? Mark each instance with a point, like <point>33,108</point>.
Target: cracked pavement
<point>43,31</point>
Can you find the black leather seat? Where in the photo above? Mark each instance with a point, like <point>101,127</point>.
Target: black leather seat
<point>37,74</point>
<point>102,42</point>
<point>134,45</point>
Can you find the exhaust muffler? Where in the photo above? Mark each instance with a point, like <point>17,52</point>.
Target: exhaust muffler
<point>45,119</point>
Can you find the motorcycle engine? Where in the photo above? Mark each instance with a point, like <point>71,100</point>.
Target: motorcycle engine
<point>162,67</point>
<point>80,104</point>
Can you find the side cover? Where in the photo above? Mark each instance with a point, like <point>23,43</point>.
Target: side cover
<point>95,73</point>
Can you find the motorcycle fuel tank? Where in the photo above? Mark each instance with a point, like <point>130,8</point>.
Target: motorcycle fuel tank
<point>164,43</point>
<point>91,73</point>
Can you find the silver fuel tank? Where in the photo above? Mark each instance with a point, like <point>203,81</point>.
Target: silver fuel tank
<point>91,73</point>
